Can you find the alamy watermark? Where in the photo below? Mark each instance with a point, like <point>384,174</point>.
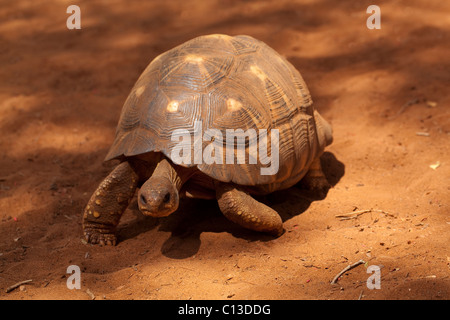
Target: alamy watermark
<point>189,147</point>
<point>374,281</point>
<point>74,280</point>
<point>374,21</point>
<point>74,20</point>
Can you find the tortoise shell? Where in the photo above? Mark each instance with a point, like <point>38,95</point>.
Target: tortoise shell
<point>226,83</point>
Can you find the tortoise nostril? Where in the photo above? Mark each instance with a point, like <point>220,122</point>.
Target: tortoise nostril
<point>166,197</point>
<point>143,199</point>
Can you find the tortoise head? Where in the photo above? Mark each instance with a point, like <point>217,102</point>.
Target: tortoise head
<point>158,196</point>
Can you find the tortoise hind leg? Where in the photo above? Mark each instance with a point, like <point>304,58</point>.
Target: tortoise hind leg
<point>107,204</point>
<point>315,179</point>
<point>241,208</point>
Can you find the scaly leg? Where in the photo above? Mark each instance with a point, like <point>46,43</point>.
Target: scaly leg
<point>239,207</point>
<point>107,204</point>
<point>315,179</point>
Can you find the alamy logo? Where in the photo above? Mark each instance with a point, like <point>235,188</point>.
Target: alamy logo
<point>74,20</point>
<point>74,281</point>
<point>374,281</point>
<point>374,21</point>
<point>235,144</point>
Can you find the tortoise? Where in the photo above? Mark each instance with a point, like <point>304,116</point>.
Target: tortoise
<point>213,83</point>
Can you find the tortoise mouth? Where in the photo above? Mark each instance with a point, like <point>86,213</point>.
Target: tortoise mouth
<point>157,212</point>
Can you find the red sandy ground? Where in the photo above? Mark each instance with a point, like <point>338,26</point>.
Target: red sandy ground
<point>61,94</point>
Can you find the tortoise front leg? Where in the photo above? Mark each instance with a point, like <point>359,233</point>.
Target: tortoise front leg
<point>107,204</point>
<point>241,208</point>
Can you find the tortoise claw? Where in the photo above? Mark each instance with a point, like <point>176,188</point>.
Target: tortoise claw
<point>98,235</point>
<point>318,185</point>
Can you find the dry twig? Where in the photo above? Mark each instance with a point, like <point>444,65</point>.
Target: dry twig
<point>90,294</point>
<point>18,284</point>
<point>355,214</point>
<point>347,268</point>
<point>360,295</point>
<point>404,106</point>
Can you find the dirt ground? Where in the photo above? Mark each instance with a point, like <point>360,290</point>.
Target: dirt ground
<point>385,92</point>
